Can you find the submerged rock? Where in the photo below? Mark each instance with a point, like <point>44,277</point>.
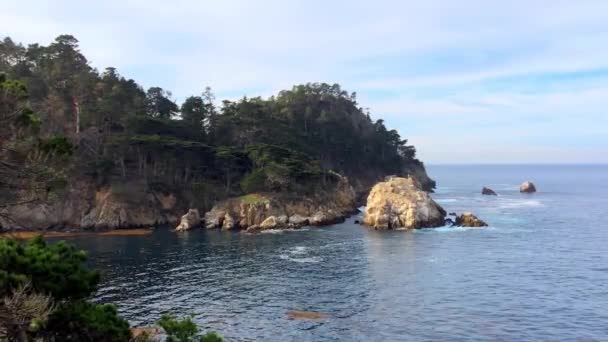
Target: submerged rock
<point>399,203</point>
<point>469,220</point>
<point>527,187</point>
<point>190,220</point>
<point>488,191</point>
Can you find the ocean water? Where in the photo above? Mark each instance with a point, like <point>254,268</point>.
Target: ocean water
<point>539,272</point>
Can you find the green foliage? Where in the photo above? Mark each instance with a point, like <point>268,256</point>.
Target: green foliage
<point>254,181</point>
<point>184,330</point>
<point>159,103</point>
<point>58,145</point>
<point>55,269</point>
<point>283,143</point>
<point>81,321</point>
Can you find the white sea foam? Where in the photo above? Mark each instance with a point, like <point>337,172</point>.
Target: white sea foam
<point>299,250</point>
<point>521,204</point>
<point>446,200</point>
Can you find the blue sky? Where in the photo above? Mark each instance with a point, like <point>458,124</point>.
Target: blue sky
<point>468,81</point>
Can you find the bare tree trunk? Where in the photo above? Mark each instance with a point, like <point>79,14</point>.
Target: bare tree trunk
<point>77,110</point>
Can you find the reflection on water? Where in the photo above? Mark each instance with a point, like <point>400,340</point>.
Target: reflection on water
<point>538,273</point>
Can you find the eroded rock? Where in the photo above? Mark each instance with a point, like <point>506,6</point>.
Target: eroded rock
<point>191,219</point>
<point>469,220</point>
<point>399,203</point>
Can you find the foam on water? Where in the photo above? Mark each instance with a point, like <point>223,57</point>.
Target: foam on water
<point>521,203</point>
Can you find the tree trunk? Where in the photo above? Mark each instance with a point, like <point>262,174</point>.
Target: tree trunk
<point>77,111</point>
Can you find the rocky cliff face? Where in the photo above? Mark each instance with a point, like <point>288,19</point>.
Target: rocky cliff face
<point>85,207</point>
<point>271,210</point>
<point>400,203</point>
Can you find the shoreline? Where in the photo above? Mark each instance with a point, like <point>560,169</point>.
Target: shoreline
<point>28,234</point>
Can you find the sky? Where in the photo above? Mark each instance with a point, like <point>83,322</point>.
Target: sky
<point>468,81</point>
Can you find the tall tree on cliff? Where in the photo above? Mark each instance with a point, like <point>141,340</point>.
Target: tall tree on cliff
<point>69,78</point>
<point>159,103</point>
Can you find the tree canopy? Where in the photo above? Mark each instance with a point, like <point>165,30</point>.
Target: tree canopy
<point>119,131</point>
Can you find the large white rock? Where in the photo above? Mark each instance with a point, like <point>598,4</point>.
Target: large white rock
<point>190,220</point>
<point>399,203</point>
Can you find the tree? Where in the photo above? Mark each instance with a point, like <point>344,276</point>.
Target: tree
<point>59,272</point>
<point>185,330</point>
<point>159,103</point>
<point>194,112</point>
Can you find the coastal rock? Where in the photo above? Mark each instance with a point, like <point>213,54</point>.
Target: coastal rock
<point>214,218</point>
<point>270,223</point>
<point>190,220</point>
<point>229,222</point>
<point>488,191</point>
<point>469,220</point>
<point>527,187</point>
<point>285,210</point>
<point>399,203</point>
<point>298,220</point>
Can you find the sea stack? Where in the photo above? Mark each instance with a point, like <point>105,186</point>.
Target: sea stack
<point>488,191</point>
<point>400,203</point>
<point>527,187</point>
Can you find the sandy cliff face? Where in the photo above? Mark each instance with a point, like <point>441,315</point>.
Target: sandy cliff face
<point>400,203</point>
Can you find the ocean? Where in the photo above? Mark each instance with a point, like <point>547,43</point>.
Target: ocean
<point>538,272</point>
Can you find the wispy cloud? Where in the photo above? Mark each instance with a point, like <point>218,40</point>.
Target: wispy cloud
<point>509,81</point>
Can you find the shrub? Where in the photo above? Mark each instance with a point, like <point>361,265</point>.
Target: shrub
<point>185,330</point>
<point>81,321</point>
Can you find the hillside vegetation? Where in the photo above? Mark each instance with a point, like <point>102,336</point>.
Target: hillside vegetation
<point>107,130</point>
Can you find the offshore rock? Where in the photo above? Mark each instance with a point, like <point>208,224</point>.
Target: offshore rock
<point>400,203</point>
<point>488,191</point>
<point>469,220</point>
<point>527,187</point>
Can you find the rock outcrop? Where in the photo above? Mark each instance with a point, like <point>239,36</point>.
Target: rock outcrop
<point>469,220</point>
<point>400,203</point>
<point>488,191</point>
<point>527,187</point>
<point>255,212</point>
<point>191,219</point>
<point>85,207</point>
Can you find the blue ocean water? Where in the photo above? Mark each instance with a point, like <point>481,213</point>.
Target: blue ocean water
<point>539,272</point>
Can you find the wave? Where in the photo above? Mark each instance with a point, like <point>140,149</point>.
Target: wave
<point>281,231</point>
<point>521,204</point>
<point>300,254</point>
<point>313,260</point>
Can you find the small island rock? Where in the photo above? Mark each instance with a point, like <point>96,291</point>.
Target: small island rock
<point>190,220</point>
<point>488,191</point>
<point>527,187</point>
<point>469,220</point>
<point>400,203</point>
